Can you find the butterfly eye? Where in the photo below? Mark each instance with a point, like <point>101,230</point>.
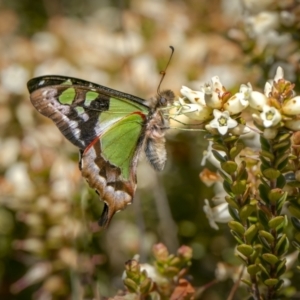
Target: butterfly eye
<point>163,101</point>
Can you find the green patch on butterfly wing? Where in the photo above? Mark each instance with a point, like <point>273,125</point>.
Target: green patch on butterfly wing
<point>119,108</point>
<point>67,82</point>
<point>67,96</point>
<point>89,97</point>
<point>119,142</point>
<point>80,110</point>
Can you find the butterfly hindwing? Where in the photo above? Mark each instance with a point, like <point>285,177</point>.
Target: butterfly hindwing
<point>106,125</point>
<point>109,164</point>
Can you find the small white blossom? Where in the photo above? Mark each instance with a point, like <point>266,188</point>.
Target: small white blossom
<point>236,103</point>
<point>240,129</point>
<point>292,124</point>
<point>218,213</point>
<point>214,93</point>
<point>292,106</point>
<point>194,111</point>
<point>268,88</point>
<point>270,116</point>
<point>240,100</point>
<point>262,23</point>
<point>195,97</point>
<point>197,108</point>
<point>270,133</point>
<point>279,74</point>
<point>222,121</point>
<point>257,100</point>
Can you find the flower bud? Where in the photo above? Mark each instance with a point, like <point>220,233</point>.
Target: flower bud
<point>292,106</point>
<point>257,100</point>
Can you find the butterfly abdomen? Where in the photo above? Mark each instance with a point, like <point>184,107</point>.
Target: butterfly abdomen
<point>155,141</point>
<point>156,152</point>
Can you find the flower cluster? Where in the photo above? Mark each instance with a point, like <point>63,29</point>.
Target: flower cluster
<point>257,185</point>
<point>216,107</point>
<point>219,111</point>
<point>278,106</point>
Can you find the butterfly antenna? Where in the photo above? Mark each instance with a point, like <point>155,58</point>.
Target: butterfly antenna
<point>163,73</point>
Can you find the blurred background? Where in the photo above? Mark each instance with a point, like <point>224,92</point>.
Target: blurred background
<point>49,238</point>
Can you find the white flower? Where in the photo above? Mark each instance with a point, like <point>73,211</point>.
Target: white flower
<point>222,121</point>
<point>14,78</point>
<point>292,106</point>
<point>262,23</point>
<point>270,133</point>
<point>214,93</point>
<point>195,97</point>
<point>279,74</point>
<point>293,124</point>
<point>197,108</point>
<point>219,214</point>
<point>239,101</point>
<point>270,116</point>
<point>257,100</point>
<point>268,88</point>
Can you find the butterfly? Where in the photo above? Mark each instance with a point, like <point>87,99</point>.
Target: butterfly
<point>110,128</point>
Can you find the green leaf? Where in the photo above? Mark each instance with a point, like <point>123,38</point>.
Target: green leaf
<point>275,194</point>
<point>283,137</point>
<point>261,266</point>
<point>263,218</point>
<point>296,223</point>
<point>219,147</point>
<point>247,282</point>
<point>237,237</point>
<point>229,166</point>
<point>280,183</point>
<point>270,258</point>
<point>242,173</point>
<point>265,164</point>
<point>239,187</point>
<point>235,151</point>
<point>279,285</point>
<point>245,249</point>
<point>294,210</point>
<point>253,269</point>
<point>246,212</point>
<point>264,191</point>
<point>271,281</point>
<point>268,155</point>
<point>275,222</point>
<point>283,146</point>
<point>271,173</point>
<point>131,285</point>
<point>218,156</point>
<point>234,214</point>
<point>281,241</point>
<point>296,245</point>
<point>281,161</point>
<point>231,202</point>
<point>265,243</point>
<point>293,184</point>
<point>236,226</point>
<point>281,267</point>
<point>264,144</point>
<point>283,247</point>
<point>268,236</point>
<point>250,233</point>
<point>227,187</point>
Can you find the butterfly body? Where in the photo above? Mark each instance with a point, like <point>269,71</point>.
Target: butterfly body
<point>110,128</point>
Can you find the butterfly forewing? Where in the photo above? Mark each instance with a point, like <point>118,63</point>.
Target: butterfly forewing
<point>76,105</point>
<point>107,125</point>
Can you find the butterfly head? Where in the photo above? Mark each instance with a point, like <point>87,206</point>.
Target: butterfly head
<point>163,99</point>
